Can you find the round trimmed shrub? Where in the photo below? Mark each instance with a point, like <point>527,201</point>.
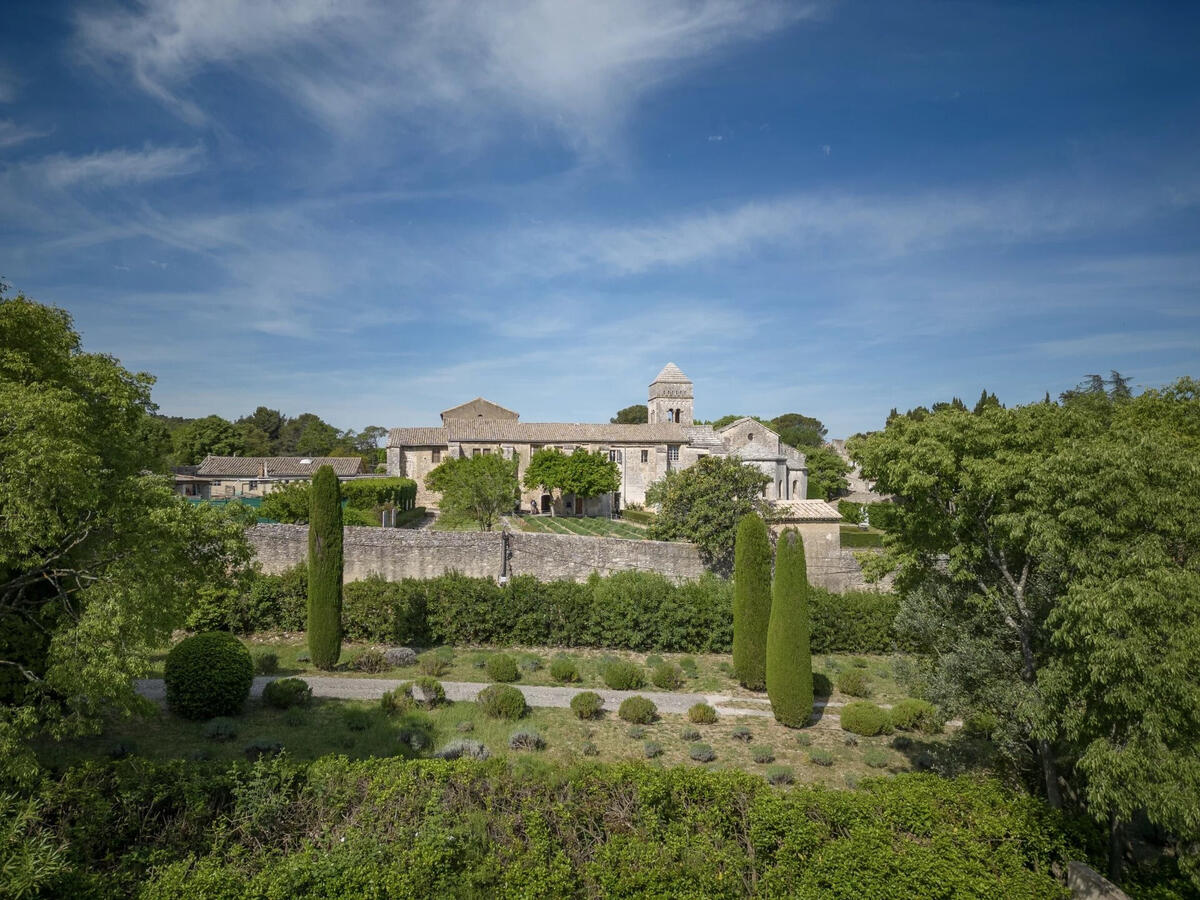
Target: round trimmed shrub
<point>502,701</point>
<point>780,775</point>
<point>428,691</point>
<point>865,718</point>
<point>400,657</point>
<point>637,732</point>
<point>266,663</point>
<point>876,757</point>
<point>742,733</point>
<point>502,667</point>
<point>702,714</point>
<point>208,675</point>
<point>371,661</point>
<point>621,675</point>
<point>689,734</point>
<point>398,700</point>
<point>463,749</point>
<point>587,705</point>
<point>919,715</point>
<point>652,750</point>
<point>820,757</point>
<point>850,741</point>
<point>285,693</point>
<point>563,669</point>
<point>220,729</point>
<point>702,753</point>
<point>526,739</point>
<point>667,676</point>
<point>638,710</point>
<point>804,740</point>
<point>762,755</point>
<point>688,664</point>
<point>854,683</point>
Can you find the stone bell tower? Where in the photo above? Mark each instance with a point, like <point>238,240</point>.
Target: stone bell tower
<point>671,396</point>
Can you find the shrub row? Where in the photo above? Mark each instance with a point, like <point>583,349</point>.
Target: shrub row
<point>411,829</point>
<point>879,515</point>
<point>629,610</point>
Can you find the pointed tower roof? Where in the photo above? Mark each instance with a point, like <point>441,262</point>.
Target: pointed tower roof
<point>671,373</point>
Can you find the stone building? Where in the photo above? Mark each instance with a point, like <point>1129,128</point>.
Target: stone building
<point>643,453</point>
<point>226,477</point>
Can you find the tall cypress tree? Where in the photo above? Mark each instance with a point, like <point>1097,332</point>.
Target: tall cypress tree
<point>751,601</point>
<point>789,659</point>
<point>325,570</point>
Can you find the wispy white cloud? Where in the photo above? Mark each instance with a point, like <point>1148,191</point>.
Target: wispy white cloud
<point>576,66</point>
<point>11,133</point>
<point>113,168</point>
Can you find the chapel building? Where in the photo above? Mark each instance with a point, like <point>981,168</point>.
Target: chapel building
<point>643,453</point>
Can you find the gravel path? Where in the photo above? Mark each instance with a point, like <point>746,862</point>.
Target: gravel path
<point>535,695</point>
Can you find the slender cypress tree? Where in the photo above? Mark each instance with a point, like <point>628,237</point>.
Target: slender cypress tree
<point>751,601</point>
<point>325,570</point>
<point>789,659</point>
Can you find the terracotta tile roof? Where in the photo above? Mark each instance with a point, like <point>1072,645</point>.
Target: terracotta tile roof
<point>277,466</point>
<point>805,511</point>
<point>503,431</point>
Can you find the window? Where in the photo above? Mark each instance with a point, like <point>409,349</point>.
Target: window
<point>437,456</point>
<point>670,415</point>
<point>487,451</point>
<point>750,437</point>
<point>614,456</point>
<point>673,453</point>
<point>253,486</point>
<point>645,456</point>
<point>475,451</point>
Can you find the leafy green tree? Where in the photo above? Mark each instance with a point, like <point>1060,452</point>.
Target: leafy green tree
<point>638,414</point>
<point>545,470</point>
<point>826,473</point>
<point>476,489</point>
<point>789,660</point>
<point>98,562</point>
<point>799,431</point>
<point>270,422</point>
<point>210,435</point>
<point>704,503</point>
<point>289,503</point>
<point>325,570</point>
<point>255,441</point>
<point>589,474</point>
<point>306,435</point>
<point>751,601</point>
<point>985,401</point>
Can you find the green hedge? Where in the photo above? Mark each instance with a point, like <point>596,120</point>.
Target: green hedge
<point>629,610</point>
<point>879,515</point>
<point>638,515</point>
<point>368,493</point>
<point>852,538</point>
<point>397,828</point>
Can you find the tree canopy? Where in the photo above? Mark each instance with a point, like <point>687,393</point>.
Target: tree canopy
<point>476,489</point>
<point>98,561</point>
<point>581,473</point>
<point>826,472</point>
<point>638,414</point>
<point>704,503</point>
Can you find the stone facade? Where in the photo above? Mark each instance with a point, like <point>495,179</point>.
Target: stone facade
<point>397,553</point>
<point>643,453</point>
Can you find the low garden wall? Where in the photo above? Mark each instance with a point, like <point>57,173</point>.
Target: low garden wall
<point>396,553</point>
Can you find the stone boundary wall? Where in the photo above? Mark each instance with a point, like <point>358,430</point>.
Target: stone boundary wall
<point>397,553</point>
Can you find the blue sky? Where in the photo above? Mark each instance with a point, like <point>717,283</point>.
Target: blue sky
<point>374,211</point>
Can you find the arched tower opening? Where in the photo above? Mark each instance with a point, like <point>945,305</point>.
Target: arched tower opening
<point>671,397</point>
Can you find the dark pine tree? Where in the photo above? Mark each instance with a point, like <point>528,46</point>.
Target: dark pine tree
<point>751,601</point>
<point>789,660</point>
<point>325,570</point>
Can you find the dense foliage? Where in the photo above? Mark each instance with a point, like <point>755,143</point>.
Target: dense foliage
<point>476,489</point>
<point>208,675</point>
<point>1049,559</point>
<point>638,710</point>
<point>789,660</point>
<point>865,718</point>
<point>367,497</point>
<point>99,561</point>
<point>827,473</point>
<point>502,701</point>
<point>284,693</point>
<point>394,828</point>
<point>638,414</point>
<point>581,474</point>
<point>751,602</point>
<point>879,515</point>
<point>704,503</point>
<point>325,570</point>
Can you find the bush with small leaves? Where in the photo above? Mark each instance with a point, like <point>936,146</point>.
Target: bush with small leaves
<point>208,675</point>
<point>688,664</point>
<point>820,757</point>
<point>590,749</point>
<point>637,732</point>
<point>701,753</point>
<point>266,662</point>
<point>296,717</point>
<point>563,669</point>
<point>428,692</point>
<point>398,700</point>
<point>876,757</point>
<point>651,750</point>
<point>262,747</point>
<point>778,775</point>
<point>587,705</point>
<point>689,734</point>
<point>667,676</point>
<point>465,727</point>
<point>762,755</point>
<point>526,739</point>
<point>371,661</point>
<point>220,729</point>
<point>919,715</point>
<point>356,719</point>
<point>464,749</point>
<point>502,701</point>
<point>979,725</point>
<point>850,741</point>
<point>742,733</point>
<point>859,663</point>
<point>638,710</point>
<point>924,761</point>
<point>502,668</point>
<point>867,719</point>
<point>285,693</point>
<point>804,740</point>
<point>701,714</point>
<point>400,657</point>
<point>653,660</point>
<point>854,683</point>
<point>851,780</point>
<point>621,675</point>
<point>433,665</point>
<point>530,662</point>
<point>900,742</point>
